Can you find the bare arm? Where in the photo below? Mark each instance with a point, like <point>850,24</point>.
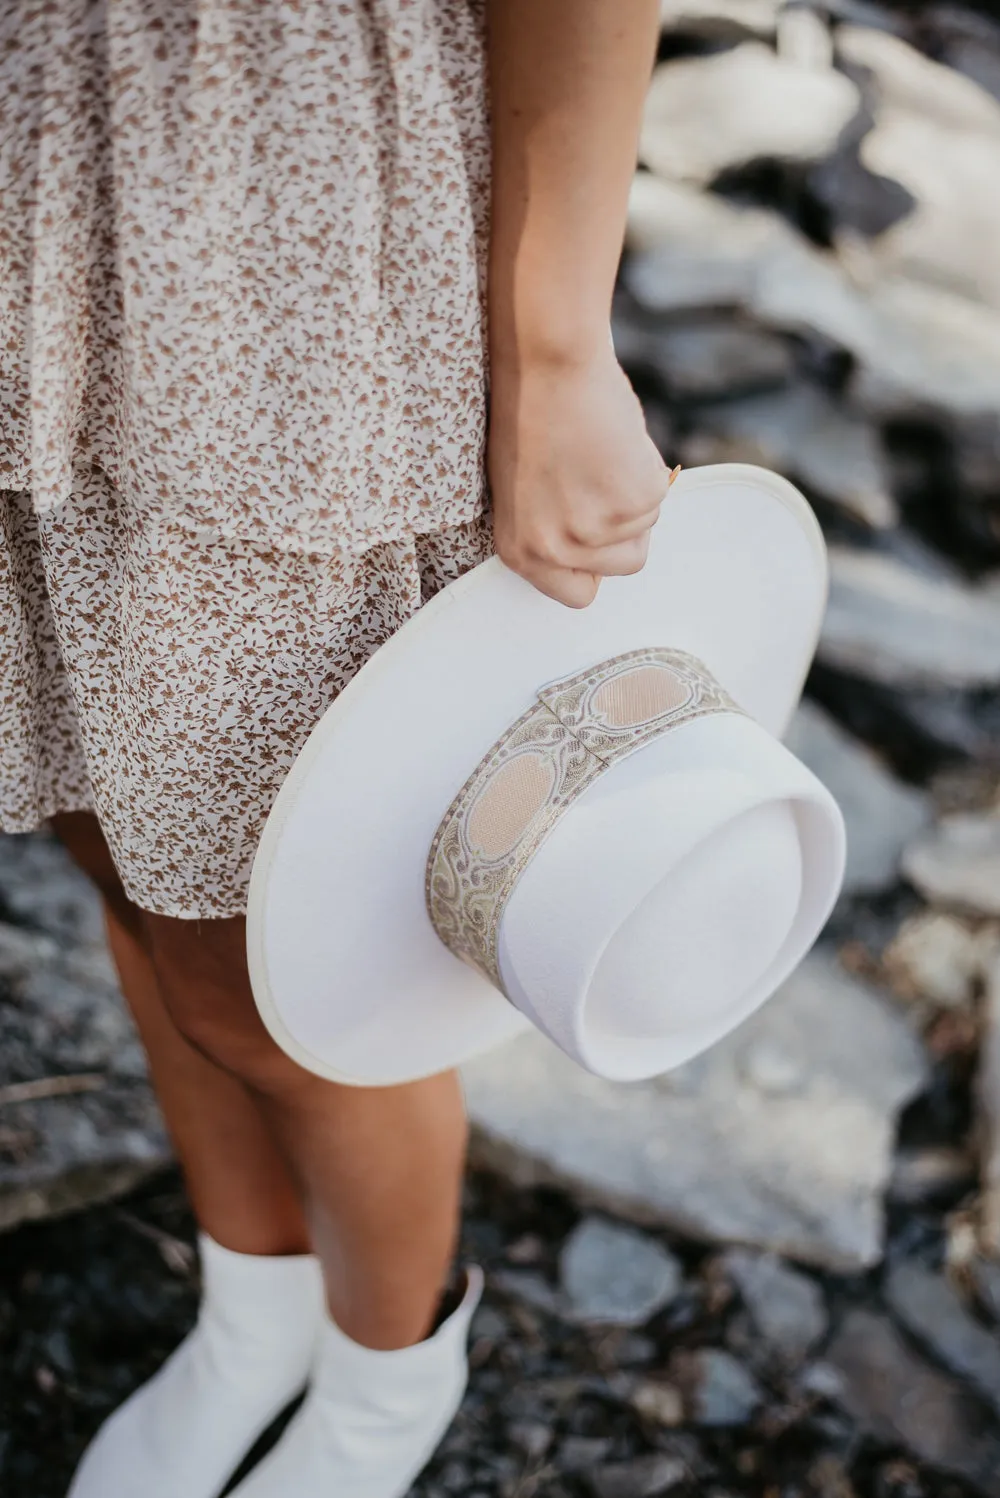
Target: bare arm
<point>576,482</point>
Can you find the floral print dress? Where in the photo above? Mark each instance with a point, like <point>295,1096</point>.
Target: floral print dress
<point>242,395</point>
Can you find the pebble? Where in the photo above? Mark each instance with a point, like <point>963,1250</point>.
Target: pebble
<point>615,1274</point>
<point>929,1174</point>
<point>898,1397</point>
<point>581,1453</point>
<point>706,114</point>
<point>957,862</point>
<point>985,1277</point>
<point>719,1391</point>
<point>643,1477</point>
<point>659,1402</point>
<point>933,1313</point>
<point>938,957</point>
<point>531,1437</point>
<point>786,1308</point>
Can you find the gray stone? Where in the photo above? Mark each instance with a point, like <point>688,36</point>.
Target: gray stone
<point>804,39</point>
<point>929,1174</point>
<point>89,1127</point>
<point>658,1402</point>
<point>531,1437</point>
<point>706,114</point>
<point>613,1274</point>
<point>700,359</point>
<point>957,862</point>
<point>988,1099</point>
<point>888,623</point>
<point>530,1288</point>
<point>882,815</point>
<point>582,1453</point>
<point>786,1308</point>
<point>642,1477</point>
<point>704,1149</point>
<point>719,1391</point>
<point>693,249</point>
<point>917,348</point>
<point>911,83</point>
<point>896,1396</point>
<point>932,1312</point>
<point>938,957</point>
<point>803,433</point>
<point>925,349</point>
<point>985,1277</point>
<point>718,19</point>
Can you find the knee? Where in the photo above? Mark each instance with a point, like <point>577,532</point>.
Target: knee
<point>202,974</point>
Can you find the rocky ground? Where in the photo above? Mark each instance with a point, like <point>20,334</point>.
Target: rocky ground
<point>811,281</point>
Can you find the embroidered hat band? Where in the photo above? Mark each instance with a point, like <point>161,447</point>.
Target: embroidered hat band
<point>576,729</point>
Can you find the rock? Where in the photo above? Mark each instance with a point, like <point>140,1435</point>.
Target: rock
<point>786,1308</point>
<point>937,134</point>
<point>803,433</point>
<point>803,38</point>
<point>887,623</point>
<point>719,1391</point>
<point>658,1402</point>
<point>910,83</point>
<point>581,1453</point>
<point>968,42</point>
<point>957,862</point>
<point>707,114</point>
<point>63,1026</point>
<point>705,1150</point>
<point>937,957</point>
<point>697,360</point>
<point>642,1477</point>
<point>829,1478</point>
<point>613,1274</point>
<point>988,1100</point>
<point>531,1437</point>
<point>719,19</point>
<point>892,1393</point>
<point>932,1312</point>
<point>530,1288</point>
<point>917,348</point>
<point>924,349</point>
<point>985,1277</point>
<point>881,813</point>
<point>934,1173</point>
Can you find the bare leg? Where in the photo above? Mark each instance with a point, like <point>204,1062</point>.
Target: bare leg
<point>380,1168</point>
<point>239,1184</point>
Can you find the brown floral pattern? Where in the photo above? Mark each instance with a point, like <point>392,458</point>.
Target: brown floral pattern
<point>241,262</point>
<point>242,395</point>
<point>168,683</point>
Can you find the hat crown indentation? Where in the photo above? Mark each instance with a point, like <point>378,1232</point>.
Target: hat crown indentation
<point>641,695</point>
<point>509,802</point>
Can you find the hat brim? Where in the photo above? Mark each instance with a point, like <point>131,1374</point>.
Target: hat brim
<point>347,972</point>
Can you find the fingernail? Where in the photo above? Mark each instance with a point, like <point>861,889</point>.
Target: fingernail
<point>673,475</point>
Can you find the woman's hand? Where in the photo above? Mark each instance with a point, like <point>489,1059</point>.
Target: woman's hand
<point>576,481</point>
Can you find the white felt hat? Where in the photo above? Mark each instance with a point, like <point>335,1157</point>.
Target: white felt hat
<point>583,819</point>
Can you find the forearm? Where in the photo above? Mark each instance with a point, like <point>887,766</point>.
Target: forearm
<point>568,79</point>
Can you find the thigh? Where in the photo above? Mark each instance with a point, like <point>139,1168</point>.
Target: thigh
<point>80,834</point>
<point>201,968</point>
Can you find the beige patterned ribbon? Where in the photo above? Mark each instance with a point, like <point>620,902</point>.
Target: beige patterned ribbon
<point>576,728</point>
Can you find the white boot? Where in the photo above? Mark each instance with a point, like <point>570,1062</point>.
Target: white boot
<point>184,1433</point>
<point>371,1420</point>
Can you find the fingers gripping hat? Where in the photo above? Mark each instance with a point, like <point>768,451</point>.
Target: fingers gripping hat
<point>519,813</point>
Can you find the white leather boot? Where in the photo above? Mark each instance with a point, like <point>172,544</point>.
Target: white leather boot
<point>371,1420</point>
<point>184,1433</point>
